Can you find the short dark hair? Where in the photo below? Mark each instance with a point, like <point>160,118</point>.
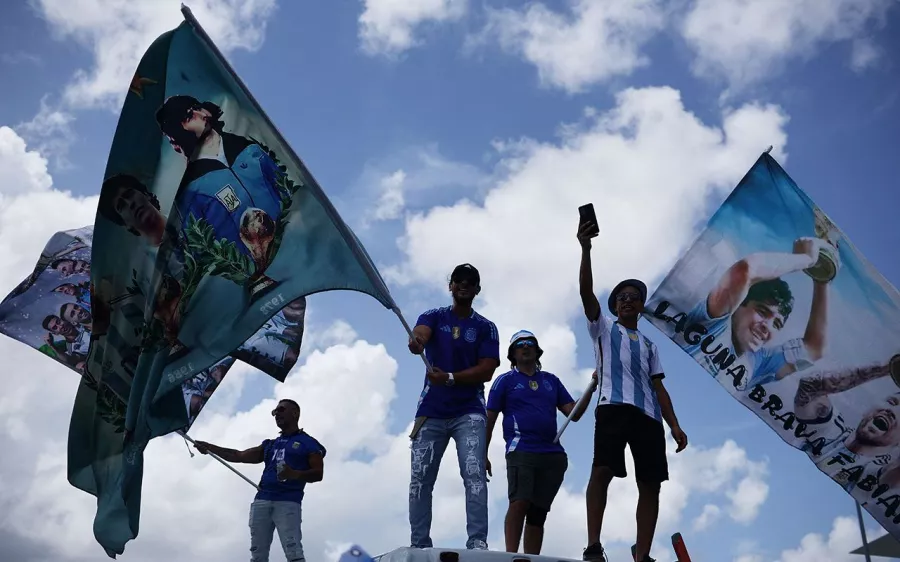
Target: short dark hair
<point>109,192</point>
<point>774,292</point>
<point>47,319</point>
<point>291,402</point>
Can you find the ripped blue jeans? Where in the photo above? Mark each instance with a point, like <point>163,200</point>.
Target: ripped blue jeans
<point>470,433</point>
<point>265,517</point>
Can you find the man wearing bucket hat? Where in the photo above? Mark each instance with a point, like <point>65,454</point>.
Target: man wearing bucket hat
<point>463,350</point>
<point>630,408</point>
<point>529,398</point>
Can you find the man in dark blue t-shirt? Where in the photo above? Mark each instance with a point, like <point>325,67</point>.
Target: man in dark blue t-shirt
<point>535,466</point>
<point>291,460</point>
<point>464,350</point>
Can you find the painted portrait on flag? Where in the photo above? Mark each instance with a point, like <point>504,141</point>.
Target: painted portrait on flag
<point>776,303</point>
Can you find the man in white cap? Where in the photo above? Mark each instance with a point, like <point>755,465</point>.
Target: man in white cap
<point>529,398</point>
<point>630,409</point>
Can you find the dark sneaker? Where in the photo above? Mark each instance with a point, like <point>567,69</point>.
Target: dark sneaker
<point>594,553</point>
<point>647,559</point>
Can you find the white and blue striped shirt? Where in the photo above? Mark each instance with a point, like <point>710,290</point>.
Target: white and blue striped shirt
<point>627,361</point>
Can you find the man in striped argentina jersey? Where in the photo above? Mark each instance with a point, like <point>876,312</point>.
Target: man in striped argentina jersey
<point>630,408</point>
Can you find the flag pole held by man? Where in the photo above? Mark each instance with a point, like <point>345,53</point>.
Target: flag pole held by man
<point>292,460</point>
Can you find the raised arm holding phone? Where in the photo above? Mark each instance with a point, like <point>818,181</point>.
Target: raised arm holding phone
<point>632,403</point>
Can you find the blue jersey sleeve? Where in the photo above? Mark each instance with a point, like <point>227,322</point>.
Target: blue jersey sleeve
<point>312,445</point>
<point>428,318</point>
<point>562,395</point>
<point>489,344</point>
<point>496,401</point>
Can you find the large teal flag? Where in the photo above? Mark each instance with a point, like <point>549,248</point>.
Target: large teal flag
<point>776,304</point>
<point>210,224</point>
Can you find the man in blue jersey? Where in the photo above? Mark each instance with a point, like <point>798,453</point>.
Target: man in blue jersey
<point>631,406</point>
<point>291,460</point>
<point>529,398</point>
<point>464,350</point>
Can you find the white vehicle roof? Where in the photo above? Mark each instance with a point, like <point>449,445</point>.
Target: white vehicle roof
<point>407,554</point>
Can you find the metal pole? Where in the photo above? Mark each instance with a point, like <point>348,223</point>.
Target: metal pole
<point>218,458</point>
<point>410,332</point>
<point>585,396</point>
<point>862,532</point>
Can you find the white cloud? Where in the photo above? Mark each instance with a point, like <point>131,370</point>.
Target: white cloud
<point>391,202</point>
<point>20,57</point>
<point>864,55</point>
<point>31,211</point>
<point>21,170</point>
<point>598,40</point>
<point>415,177</point>
<point>50,132</point>
<point>707,517</point>
<point>745,42</point>
<point>118,32</point>
<point>649,166</point>
<point>843,538</point>
<point>748,498</point>
<point>388,27</point>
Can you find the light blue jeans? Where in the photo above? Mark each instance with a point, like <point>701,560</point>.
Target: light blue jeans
<point>428,448</point>
<point>265,517</point>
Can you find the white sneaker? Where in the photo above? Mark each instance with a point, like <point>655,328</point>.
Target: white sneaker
<point>479,545</point>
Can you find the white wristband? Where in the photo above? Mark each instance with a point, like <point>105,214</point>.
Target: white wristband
<point>450,380</point>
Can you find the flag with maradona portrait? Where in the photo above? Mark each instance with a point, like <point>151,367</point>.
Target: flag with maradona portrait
<point>775,302</point>
<point>210,224</point>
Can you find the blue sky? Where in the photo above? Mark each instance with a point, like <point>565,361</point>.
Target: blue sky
<point>491,124</point>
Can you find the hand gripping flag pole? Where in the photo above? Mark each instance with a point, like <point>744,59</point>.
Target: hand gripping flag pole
<point>586,395</point>
<point>218,458</point>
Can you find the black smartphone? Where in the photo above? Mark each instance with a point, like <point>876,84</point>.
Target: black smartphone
<point>587,215</point>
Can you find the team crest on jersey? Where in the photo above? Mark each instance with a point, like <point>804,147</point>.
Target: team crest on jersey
<point>456,332</point>
<point>634,337</point>
<point>228,198</point>
<point>470,335</point>
<point>533,385</point>
<point>296,445</point>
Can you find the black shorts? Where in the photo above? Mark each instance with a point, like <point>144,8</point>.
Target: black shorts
<point>618,425</point>
<point>535,477</point>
